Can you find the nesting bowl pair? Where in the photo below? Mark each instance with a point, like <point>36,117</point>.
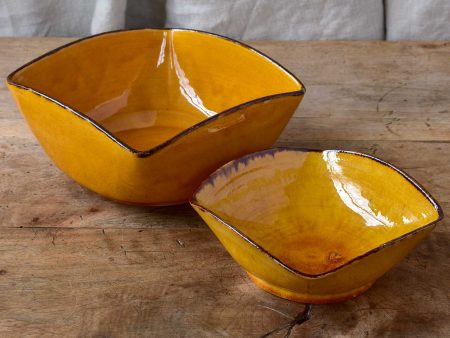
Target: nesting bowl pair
<point>145,116</point>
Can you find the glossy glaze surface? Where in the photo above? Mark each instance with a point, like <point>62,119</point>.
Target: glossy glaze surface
<point>153,112</point>
<point>315,226</point>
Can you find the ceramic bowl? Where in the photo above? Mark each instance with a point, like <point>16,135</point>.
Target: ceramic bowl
<point>143,116</point>
<point>315,226</point>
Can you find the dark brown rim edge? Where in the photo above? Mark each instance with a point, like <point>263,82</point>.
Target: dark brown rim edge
<point>210,180</point>
<point>146,153</point>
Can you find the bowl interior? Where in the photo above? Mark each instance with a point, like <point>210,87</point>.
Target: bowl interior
<point>146,86</point>
<point>315,211</point>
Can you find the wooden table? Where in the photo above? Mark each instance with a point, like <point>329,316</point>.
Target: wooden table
<point>75,264</point>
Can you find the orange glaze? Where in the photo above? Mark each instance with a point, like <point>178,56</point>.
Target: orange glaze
<point>114,111</point>
<point>316,225</point>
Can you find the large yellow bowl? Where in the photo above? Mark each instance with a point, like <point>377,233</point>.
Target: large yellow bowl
<point>315,226</point>
<point>143,116</point>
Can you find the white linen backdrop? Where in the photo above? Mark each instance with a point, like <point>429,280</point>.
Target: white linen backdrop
<point>241,19</point>
<point>60,17</point>
<point>281,20</point>
<point>418,19</point>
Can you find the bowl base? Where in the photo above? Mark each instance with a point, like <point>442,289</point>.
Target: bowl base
<point>307,298</point>
<point>144,204</point>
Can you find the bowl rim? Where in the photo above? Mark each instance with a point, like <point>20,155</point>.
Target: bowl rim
<point>153,150</point>
<point>195,203</point>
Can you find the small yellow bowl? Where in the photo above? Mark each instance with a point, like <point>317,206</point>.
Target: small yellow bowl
<point>315,226</point>
<point>143,116</point>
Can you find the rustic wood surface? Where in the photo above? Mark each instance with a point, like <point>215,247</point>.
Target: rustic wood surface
<point>73,264</point>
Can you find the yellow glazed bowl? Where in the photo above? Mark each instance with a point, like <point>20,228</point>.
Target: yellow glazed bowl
<point>143,116</point>
<point>315,226</point>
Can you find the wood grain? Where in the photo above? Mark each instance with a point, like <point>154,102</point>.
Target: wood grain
<point>75,264</point>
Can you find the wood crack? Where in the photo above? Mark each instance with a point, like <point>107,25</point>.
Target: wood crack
<point>381,99</point>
